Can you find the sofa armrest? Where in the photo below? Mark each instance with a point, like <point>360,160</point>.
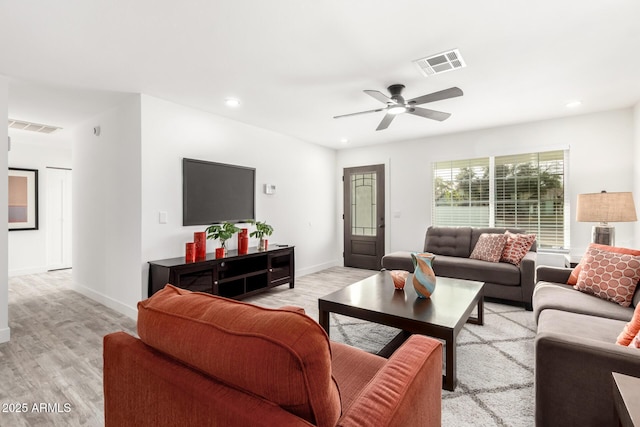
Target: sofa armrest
<point>406,391</point>
<point>527,278</point>
<point>573,379</point>
<point>553,274</point>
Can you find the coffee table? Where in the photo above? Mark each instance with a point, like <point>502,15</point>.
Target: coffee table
<point>442,316</point>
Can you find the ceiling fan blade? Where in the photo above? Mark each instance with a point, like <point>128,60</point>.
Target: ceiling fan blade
<point>386,121</point>
<point>361,112</point>
<point>429,114</point>
<point>379,96</point>
<point>452,92</point>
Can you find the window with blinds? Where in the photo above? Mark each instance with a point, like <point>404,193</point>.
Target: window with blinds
<point>529,194</point>
<point>461,193</point>
<point>524,191</point>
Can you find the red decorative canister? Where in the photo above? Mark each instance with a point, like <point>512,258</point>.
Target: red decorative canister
<point>200,239</point>
<point>190,255</point>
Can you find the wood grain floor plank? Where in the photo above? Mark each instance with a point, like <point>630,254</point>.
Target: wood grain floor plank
<point>55,352</point>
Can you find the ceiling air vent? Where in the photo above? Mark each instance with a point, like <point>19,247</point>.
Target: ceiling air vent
<point>33,127</point>
<point>440,63</point>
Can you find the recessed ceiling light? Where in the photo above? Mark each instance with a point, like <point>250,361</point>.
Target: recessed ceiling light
<point>232,102</point>
<point>573,104</point>
<point>344,140</point>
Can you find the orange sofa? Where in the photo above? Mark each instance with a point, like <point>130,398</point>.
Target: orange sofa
<point>203,360</point>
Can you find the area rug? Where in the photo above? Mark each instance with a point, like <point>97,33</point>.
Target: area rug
<point>495,360</point>
<point>495,365</point>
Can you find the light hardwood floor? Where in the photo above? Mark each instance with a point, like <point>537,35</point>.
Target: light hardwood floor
<point>55,353</point>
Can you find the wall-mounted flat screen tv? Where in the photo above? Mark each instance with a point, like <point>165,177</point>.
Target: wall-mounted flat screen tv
<point>215,192</point>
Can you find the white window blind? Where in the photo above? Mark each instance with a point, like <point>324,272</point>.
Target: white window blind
<point>461,193</point>
<point>523,191</point>
<point>529,194</point>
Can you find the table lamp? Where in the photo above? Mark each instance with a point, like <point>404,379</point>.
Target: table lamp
<point>605,208</point>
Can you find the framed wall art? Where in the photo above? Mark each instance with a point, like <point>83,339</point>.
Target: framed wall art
<point>23,199</point>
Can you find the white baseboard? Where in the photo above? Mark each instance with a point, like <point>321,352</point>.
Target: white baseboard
<point>106,301</point>
<point>5,335</point>
<point>318,267</point>
<point>25,271</point>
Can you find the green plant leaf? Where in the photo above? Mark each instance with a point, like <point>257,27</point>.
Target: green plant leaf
<point>221,232</point>
<point>262,229</point>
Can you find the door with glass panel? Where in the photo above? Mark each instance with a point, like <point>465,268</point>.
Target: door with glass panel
<point>364,216</point>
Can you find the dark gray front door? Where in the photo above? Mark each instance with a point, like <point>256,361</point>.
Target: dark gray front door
<point>364,216</point>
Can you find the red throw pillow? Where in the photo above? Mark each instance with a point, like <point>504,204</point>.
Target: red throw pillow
<point>631,329</point>
<point>573,278</point>
<point>516,247</point>
<point>610,276</point>
<point>489,247</point>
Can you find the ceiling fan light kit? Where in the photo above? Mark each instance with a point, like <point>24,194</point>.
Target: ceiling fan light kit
<point>396,104</point>
<point>396,109</point>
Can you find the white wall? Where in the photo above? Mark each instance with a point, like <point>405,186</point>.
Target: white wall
<point>133,170</point>
<point>106,208</point>
<point>28,248</point>
<point>302,211</point>
<point>636,170</point>
<point>4,217</point>
<point>601,147</point>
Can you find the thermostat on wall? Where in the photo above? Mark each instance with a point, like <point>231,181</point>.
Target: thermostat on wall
<point>269,189</point>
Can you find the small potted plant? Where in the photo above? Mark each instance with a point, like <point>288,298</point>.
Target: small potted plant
<point>262,229</point>
<point>222,232</point>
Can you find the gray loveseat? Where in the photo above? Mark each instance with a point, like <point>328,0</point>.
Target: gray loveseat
<point>453,246</point>
<point>576,352</point>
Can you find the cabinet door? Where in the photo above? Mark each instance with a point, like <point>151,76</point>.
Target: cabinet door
<point>194,279</point>
<point>281,267</point>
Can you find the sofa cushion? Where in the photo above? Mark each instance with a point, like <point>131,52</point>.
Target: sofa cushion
<point>450,241</point>
<point>353,369</point>
<point>500,273</point>
<point>631,329</point>
<point>599,331</point>
<point>516,247</point>
<point>280,355</point>
<point>573,278</point>
<point>610,276</point>
<point>547,295</point>
<point>489,247</point>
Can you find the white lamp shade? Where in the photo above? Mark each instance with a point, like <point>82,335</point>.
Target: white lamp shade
<point>606,207</point>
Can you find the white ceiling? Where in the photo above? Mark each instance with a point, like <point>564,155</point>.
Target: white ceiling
<point>296,63</point>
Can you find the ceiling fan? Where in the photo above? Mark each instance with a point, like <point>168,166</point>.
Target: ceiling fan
<point>396,104</point>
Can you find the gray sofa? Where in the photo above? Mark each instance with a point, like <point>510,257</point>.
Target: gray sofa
<point>453,246</point>
<point>576,352</point>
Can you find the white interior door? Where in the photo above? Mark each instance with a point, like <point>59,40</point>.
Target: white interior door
<point>58,218</point>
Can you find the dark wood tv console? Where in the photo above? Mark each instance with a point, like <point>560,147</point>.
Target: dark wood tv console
<point>234,276</point>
